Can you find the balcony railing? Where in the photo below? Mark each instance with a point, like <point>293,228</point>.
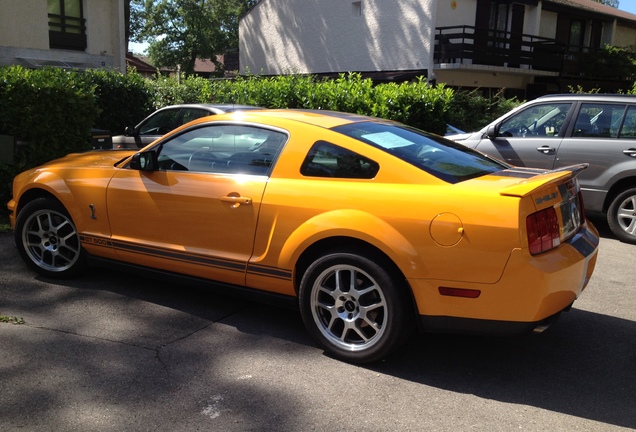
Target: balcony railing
<point>470,45</point>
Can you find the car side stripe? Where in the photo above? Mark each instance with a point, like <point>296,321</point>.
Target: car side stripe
<point>214,262</point>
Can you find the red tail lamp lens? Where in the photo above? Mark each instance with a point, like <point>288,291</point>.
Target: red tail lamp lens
<point>543,231</point>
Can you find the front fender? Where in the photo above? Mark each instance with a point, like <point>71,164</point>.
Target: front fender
<point>353,224</point>
<point>76,197</point>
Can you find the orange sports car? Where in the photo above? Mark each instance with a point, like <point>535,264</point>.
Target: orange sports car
<point>371,228</point>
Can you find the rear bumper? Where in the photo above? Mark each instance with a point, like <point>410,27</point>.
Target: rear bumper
<point>532,291</point>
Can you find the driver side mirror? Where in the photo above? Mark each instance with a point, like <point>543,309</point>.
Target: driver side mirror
<point>492,131</point>
<point>144,161</point>
<point>130,131</point>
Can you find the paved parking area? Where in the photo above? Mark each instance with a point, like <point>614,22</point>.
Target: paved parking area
<point>114,352</point>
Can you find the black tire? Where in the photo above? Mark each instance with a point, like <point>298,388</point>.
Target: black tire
<point>354,308</point>
<point>47,239</point>
<point>621,216</point>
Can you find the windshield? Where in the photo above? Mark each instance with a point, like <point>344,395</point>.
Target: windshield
<point>444,159</point>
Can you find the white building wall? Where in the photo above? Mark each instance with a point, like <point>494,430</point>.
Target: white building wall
<point>300,36</point>
<point>456,13</point>
<point>24,34</point>
<point>624,36</point>
<point>548,26</point>
<point>24,30</point>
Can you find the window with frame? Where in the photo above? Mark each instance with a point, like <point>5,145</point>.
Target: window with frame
<point>67,26</point>
<point>599,120</point>
<point>628,130</point>
<point>223,149</point>
<point>545,120</point>
<point>329,160</point>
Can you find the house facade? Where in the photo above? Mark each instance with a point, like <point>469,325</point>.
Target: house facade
<point>72,34</point>
<point>529,47</point>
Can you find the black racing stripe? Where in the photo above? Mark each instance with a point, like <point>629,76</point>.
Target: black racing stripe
<point>181,256</point>
<point>518,173</point>
<point>269,271</point>
<point>231,265</point>
<point>584,242</point>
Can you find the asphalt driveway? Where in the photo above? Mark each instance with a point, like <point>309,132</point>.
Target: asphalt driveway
<point>113,352</point>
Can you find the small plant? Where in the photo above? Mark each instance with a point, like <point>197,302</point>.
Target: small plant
<point>11,319</point>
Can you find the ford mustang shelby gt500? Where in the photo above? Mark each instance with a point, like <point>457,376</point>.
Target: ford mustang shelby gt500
<point>370,227</point>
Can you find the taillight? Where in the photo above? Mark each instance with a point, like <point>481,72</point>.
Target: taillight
<point>543,231</point>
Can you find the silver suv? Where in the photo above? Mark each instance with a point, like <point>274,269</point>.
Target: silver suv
<point>560,130</point>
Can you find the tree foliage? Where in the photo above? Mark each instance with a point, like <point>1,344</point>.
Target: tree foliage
<point>612,3</point>
<point>180,31</point>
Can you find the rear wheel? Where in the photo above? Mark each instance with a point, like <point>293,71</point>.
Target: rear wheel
<point>621,216</point>
<point>354,308</point>
<point>47,239</point>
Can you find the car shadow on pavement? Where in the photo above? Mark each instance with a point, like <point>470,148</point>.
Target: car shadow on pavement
<point>585,366</point>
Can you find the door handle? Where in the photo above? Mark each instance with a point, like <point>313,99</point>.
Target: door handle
<point>546,149</point>
<point>236,200</point>
<point>630,152</point>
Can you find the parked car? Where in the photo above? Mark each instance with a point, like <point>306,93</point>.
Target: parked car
<point>168,118</point>
<point>368,226</point>
<point>556,131</point>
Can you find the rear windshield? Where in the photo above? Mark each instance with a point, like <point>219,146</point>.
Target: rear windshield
<point>444,159</point>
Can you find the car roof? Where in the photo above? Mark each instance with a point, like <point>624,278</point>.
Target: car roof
<point>224,107</point>
<point>321,118</point>
<point>596,97</point>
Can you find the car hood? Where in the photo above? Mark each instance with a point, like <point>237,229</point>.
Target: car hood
<point>91,159</point>
<point>462,136</point>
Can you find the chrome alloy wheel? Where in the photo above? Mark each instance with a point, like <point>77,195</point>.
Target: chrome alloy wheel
<point>348,307</point>
<point>50,240</point>
<point>626,215</point>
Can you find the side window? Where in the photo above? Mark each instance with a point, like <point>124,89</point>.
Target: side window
<point>328,160</point>
<point>190,114</point>
<point>161,123</point>
<point>544,120</point>
<point>598,120</point>
<point>629,125</point>
<point>222,149</point>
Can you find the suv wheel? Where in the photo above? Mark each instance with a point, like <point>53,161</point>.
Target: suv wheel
<point>621,216</point>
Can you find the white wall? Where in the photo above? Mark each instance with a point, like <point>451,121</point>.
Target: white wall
<point>24,33</point>
<point>456,13</point>
<point>24,24</point>
<point>624,37</point>
<point>317,36</point>
<point>547,28</point>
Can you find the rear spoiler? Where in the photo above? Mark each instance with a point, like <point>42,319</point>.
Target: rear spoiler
<point>527,186</point>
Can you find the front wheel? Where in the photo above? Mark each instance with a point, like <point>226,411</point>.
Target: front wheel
<point>354,308</point>
<point>621,216</point>
<point>47,239</point>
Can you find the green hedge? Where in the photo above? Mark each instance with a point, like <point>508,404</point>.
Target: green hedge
<point>53,110</point>
<point>122,100</point>
<point>50,111</point>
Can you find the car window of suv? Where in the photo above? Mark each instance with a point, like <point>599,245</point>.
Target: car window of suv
<point>160,123</point>
<point>629,125</point>
<point>544,120</point>
<point>232,149</point>
<point>190,114</point>
<point>598,120</point>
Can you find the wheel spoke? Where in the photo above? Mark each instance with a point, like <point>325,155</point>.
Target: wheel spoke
<point>349,307</point>
<point>51,241</point>
<point>352,326</point>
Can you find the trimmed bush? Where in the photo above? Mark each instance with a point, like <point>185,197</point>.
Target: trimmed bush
<point>122,100</point>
